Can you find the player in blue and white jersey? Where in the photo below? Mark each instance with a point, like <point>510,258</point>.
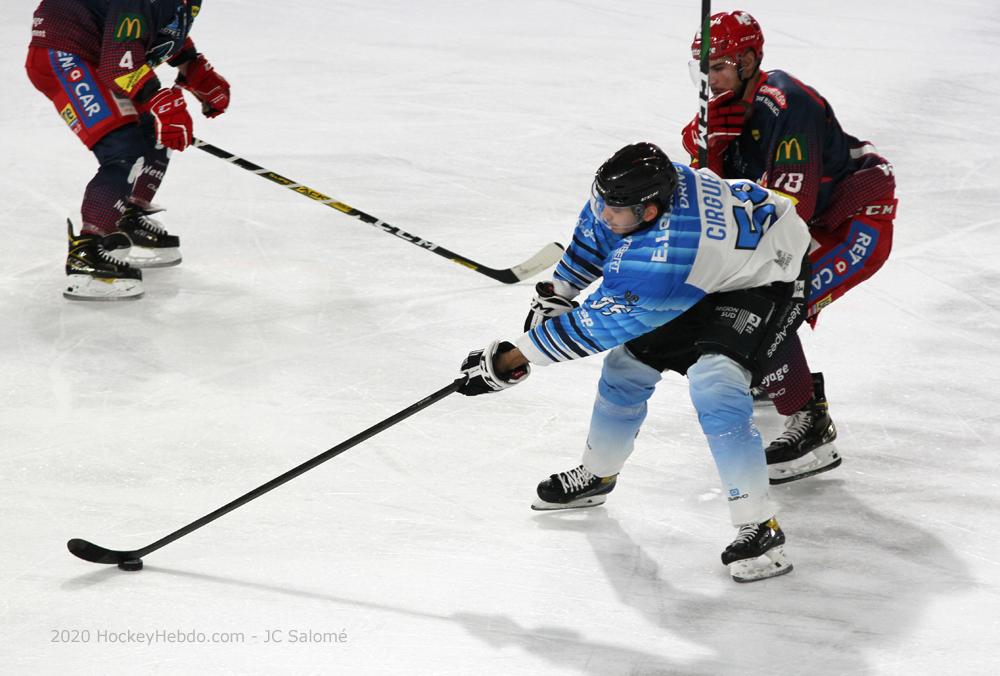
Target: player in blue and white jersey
<point>698,275</point>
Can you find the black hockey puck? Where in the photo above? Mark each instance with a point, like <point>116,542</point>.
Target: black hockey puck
<point>130,564</point>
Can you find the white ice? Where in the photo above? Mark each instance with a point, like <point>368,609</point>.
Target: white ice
<point>290,327</point>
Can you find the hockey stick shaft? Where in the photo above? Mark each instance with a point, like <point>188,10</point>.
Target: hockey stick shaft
<point>703,91</point>
<point>545,258</point>
<point>96,554</point>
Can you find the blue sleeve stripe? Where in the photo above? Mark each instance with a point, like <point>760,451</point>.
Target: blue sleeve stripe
<point>594,347</point>
<point>533,334</point>
<point>571,276</point>
<point>570,342</point>
<point>586,247</point>
<point>563,354</point>
<point>588,266</point>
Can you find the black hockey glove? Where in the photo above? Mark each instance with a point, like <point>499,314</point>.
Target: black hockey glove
<point>547,304</point>
<point>482,378</point>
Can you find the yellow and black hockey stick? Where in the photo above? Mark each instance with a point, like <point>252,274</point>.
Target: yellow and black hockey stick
<point>547,257</point>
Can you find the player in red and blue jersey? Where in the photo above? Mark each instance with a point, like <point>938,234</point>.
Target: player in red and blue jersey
<point>96,60</point>
<point>769,127</point>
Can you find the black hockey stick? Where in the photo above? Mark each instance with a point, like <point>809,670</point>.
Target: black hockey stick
<point>132,559</point>
<point>703,93</point>
<point>547,257</point>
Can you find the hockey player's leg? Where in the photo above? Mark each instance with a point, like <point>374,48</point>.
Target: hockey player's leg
<point>720,394</point>
<point>620,408</point>
<point>152,245</point>
<point>93,272</point>
<point>805,447</point>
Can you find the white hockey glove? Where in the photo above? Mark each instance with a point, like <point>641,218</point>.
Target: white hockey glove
<point>482,378</point>
<point>547,304</point>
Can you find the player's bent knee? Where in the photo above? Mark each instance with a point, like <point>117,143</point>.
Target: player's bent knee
<point>626,381</point>
<point>720,392</point>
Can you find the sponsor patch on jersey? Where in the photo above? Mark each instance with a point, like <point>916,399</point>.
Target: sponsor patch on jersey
<point>844,260</point>
<point>69,116</point>
<point>775,94</point>
<point>792,150</point>
<point>87,103</point>
<point>128,81</point>
<point>130,27</point>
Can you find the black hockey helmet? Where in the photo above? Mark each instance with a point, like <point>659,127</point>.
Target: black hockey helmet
<point>637,174</point>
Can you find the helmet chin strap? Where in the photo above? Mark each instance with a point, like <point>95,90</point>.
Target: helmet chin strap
<point>745,80</point>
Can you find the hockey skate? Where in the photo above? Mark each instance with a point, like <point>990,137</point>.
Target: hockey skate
<point>575,488</point>
<point>93,274</point>
<point>757,553</point>
<point>151,245</point>
<point>805,447</point>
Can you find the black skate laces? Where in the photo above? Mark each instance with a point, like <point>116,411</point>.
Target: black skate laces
<point>576,478</point>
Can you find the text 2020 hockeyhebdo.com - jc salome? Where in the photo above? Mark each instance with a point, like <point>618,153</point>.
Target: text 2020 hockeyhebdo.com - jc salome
<point>272,636</point>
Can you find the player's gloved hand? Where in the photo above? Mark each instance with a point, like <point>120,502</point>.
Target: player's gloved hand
<point>173,122</point>
<point>725,124</point>
<point>547,304</point>
<point>479,367</point>
<point>207,85</point>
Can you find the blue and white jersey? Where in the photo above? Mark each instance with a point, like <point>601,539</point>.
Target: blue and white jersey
<point>719,235</point>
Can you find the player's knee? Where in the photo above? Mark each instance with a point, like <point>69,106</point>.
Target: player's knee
<point>122,148</point>
<point>625,381</point>
<point>720,392</point>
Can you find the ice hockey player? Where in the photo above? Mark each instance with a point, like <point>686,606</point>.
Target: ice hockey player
<point>700,276</point>
<point>95,60</point>
<point>771,128</point>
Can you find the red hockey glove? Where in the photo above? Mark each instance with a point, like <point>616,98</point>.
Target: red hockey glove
<point>207,85</point>
<point>173,123</point>
<point>725,123</point>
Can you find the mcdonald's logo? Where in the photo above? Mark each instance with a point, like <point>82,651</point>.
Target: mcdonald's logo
<point>130,27</point>
<point>791,150</point>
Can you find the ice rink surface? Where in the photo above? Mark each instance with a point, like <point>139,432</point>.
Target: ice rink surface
<point>290,327</point>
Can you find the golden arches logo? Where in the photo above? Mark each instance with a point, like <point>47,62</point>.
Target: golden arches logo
<point>790,150</point>
<point>129,28</point>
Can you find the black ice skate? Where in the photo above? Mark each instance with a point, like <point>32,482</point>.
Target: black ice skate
<point>805,447</point>
<point>576,488</point>
<point>93,274</point>
<point>757,553</point>
<point>151,245</point>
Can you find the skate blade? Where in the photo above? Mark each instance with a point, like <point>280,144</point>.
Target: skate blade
<point>143,257</point>
<point>785,472</point>
<point>85,287</point>
<point>770,564</point>
<point>816,461</point>
<point>540,505</point>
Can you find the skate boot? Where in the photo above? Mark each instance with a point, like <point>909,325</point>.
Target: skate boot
<point>576,488</point>
<point>93,274</point>
<point>151,245</point>
<point>805,447</point>
<point>757,553</point>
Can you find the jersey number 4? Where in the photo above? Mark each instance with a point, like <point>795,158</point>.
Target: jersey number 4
<point>754,215</point>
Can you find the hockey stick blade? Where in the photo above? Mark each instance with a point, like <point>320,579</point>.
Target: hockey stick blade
<point>546,258</point>
<point>88,551</point>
